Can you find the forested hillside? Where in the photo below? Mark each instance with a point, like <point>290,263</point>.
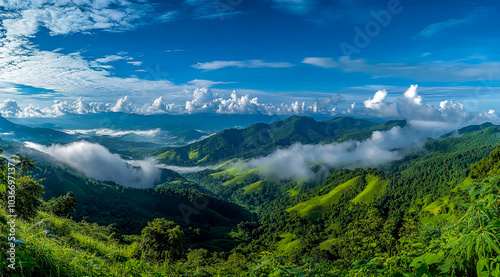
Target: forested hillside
<point>261,139</point>
<point>433,213</point>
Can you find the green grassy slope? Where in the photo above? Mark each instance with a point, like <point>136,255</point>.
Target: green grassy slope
<point>374,189</point>
<point>314,207</point>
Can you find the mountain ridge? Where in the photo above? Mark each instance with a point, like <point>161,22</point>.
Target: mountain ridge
<point>261,139</point>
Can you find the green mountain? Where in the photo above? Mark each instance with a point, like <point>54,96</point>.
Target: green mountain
<point>20,132</point>
<point>261,139</point>
<point>411,184</point>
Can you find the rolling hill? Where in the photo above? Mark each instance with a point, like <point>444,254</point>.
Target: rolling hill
<point>131,209</point>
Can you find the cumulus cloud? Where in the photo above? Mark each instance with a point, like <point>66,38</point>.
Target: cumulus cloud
<point>95,161</point>
<point>9,108</point>
<point>204,100</point>
<point>123,105</point>
<point>378,105</point>
<point>241,64</point>
<point>411,106</point>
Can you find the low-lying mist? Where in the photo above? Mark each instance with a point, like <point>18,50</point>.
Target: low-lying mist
<point>95,161</point>
<point>378,151</point>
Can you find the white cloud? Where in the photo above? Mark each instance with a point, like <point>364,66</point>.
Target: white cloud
<point>202,100</point>
<point>110,58</point>
<point>197,83</point>
<point>64,17</point>
<point>206,101</point>
<point>241,64</point>
<point>381,108</point>
<point>438,28</point>
<point>168,16</point>
<point>295,6</point>
<point>321,62</point>
<point>95,161</point>
<point>208,9</point>
<point>412,95</point>
<point>9,108</point>
<point>174,50</point>
<point>425,121</point>
<point>435,71</point>
<point>73,75</point>
<point>21,62</point>
<point>380,149</point>
<point>123,105</point>
<point>411,106</point>
<point>114,133</point>
<point>136,63</point>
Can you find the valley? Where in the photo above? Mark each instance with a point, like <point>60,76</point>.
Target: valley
<point>237,212</point>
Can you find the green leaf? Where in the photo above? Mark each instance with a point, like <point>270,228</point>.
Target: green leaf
<point>480,265</point>
<point>431,258</point>
<point>422,270</point>
<point>417,261</point>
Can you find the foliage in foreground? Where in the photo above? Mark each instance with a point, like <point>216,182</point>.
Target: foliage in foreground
<point>359,240</point>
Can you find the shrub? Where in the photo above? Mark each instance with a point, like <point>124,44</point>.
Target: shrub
<point>62,205</point>
<point>160,240</point>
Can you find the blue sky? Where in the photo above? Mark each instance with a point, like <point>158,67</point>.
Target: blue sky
<point>281,53</point>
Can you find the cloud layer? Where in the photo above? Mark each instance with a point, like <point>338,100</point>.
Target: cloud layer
<point>95,161</point>
<point>380,149</point>
<point>115,133</point>
<point>409,105</point>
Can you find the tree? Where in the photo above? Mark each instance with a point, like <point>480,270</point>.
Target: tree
<point>63,205</point>
<point>25,163</point>
<point>29,194</point>
<point>3,172</point>
<point>161,240</point>
<point>28,191</point>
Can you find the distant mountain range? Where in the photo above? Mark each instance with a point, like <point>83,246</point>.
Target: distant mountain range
<point>261,139</point>
<point>167,122</point>
<point>9,129</point>
<point>121,142</point>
